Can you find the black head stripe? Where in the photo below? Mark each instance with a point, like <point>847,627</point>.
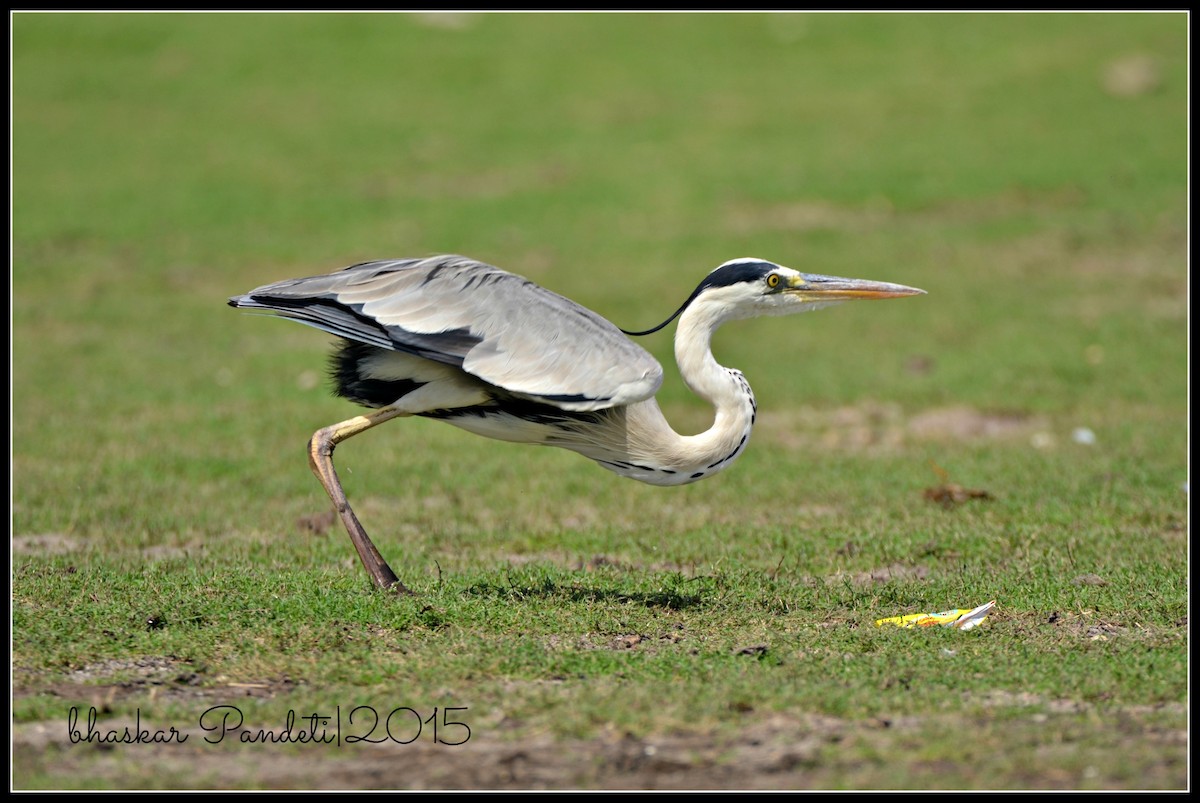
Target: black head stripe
<point>747,270</point>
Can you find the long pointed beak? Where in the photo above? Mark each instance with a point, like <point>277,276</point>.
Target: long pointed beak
<point>815,287</point>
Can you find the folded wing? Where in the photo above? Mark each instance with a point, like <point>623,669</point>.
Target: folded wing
<point>495,325</point>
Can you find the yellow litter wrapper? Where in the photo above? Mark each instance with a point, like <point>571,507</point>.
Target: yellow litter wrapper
<point>961,618</point>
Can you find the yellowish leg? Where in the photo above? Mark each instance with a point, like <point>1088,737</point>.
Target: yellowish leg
<point>320,458</point>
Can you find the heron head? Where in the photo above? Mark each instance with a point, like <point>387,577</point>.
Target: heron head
<point>748,287</point>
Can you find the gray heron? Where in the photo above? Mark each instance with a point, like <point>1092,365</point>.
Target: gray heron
<point>454,339</point>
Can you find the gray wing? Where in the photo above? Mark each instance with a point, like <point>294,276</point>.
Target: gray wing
<point>495,325</point>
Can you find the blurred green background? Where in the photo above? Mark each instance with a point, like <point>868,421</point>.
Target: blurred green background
<point>1028,170</point>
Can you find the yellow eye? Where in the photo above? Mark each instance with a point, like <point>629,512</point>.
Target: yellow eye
<point>773,280</point>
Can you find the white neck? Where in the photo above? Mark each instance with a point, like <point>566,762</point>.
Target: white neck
<point>679,458</point>
<point>635,440</point>
<point>708,379</point>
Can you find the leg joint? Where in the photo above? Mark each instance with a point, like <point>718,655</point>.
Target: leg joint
<point>321,444</point>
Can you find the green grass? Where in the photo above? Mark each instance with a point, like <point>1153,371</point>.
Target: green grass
<point>601,633</point>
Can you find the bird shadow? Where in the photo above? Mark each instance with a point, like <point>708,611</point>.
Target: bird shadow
<point>548,589</point>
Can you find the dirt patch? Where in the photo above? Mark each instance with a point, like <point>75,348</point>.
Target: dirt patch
<point>151,668</point>
<point>961,423</point>
<point>151,678</point>
<point>774,754</point>
<point>1090,625</point>
<point>600,563</point>
<point>876,213</point>
<point>808,216</point>
<point>766,751</point>
<point>1131,76</point>
<point>642,642</point>
<point>874,427</point>
<point>317,523</point>
<point>46,544</point>
<point>862,428</point>
<point>889,574</point>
